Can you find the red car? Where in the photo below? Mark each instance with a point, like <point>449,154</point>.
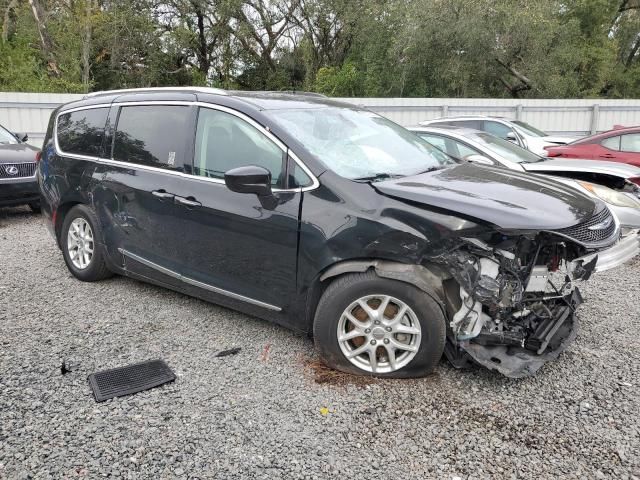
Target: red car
<point>617,145</point>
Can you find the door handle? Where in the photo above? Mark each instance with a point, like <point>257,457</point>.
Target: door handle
<point>608,155</point>
<point>186,201</point>
<point>162,194</point>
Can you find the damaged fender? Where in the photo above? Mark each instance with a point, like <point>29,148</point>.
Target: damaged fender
<point>426,279</point>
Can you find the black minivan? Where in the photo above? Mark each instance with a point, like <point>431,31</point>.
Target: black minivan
<point>325,218</point>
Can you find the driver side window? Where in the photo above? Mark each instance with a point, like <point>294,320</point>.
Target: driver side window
<point>225,141</point>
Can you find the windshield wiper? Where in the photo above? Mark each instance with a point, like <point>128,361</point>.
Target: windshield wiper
<point>377,177</point>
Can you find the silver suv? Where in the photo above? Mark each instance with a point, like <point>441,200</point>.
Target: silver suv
<point>516,131</point>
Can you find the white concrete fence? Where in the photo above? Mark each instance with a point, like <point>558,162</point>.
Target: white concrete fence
<point>29,112</point>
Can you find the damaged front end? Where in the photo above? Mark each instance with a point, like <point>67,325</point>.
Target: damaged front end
<point>511,298</point>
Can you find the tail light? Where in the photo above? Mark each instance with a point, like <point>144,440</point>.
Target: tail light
<point>38,156</point>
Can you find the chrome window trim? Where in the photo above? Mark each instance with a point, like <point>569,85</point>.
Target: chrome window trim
<point>196,283</point>
<point>110,161</point>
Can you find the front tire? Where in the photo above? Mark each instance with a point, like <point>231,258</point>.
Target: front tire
<point>365,324</point>
<point>82,245</point>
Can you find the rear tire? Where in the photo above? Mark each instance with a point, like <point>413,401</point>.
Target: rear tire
<point>82,245</point>
<point>355,334</point>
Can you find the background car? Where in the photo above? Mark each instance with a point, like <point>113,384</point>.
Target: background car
<point>617,145</point>
<point>516,131</point>
<point>18,171</point>
<point>615,184</point>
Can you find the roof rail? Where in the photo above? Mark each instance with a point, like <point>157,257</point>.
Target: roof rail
<point>276,92</point>
<point>296,92</point>
<point>215,91</point>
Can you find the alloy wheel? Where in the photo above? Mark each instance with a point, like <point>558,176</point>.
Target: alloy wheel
<point>379,333</point>
<point>80,244</point>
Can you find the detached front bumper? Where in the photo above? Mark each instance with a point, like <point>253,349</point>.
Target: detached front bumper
<point>623,251</point>
<point>18,191</point>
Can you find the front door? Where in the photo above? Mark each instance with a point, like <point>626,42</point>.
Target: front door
<point>236,242</point>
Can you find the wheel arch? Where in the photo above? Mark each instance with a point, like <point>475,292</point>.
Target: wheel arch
<point>61,213</point>
<point>428,279</point>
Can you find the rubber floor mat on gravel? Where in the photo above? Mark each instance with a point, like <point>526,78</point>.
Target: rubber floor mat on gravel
<point>135,378</point>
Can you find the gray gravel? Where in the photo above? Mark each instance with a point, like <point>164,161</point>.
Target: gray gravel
<point>261,413</point>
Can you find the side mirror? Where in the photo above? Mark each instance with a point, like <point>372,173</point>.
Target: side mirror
<point>511,136</point>
<point>23,137</point>
<point>481,159</point>
<point>249,179</point>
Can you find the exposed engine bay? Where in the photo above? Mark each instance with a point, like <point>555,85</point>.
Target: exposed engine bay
<point>511,301</point>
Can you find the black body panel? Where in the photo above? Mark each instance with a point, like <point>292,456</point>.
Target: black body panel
<point>504,198</point>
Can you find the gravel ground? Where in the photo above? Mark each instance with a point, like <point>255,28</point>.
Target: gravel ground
<point>271,411</point>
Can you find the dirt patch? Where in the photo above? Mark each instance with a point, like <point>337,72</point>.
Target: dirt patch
<point>319,373</point>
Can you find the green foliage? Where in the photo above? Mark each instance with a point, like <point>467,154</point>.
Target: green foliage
<point>345,81</point>
<point>458,48</point>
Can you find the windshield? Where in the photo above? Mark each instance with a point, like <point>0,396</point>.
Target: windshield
<point>529,130</point>
<point>6,137</point>
<point>506,149</point>
<point>358,144</point>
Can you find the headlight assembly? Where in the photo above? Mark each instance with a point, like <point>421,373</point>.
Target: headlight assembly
<point>613,197</point>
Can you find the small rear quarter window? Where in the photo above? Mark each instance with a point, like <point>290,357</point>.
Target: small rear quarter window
<point>81,132</point>
<point>612,143</point>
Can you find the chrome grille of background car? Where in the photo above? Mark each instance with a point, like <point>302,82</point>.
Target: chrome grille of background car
<point>582,233</point>
<point>24,170</point>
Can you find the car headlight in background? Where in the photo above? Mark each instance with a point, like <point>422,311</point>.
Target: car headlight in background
<point>620,199</point>
<point>636,182</point>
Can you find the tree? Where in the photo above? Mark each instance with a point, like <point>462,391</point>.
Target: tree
<point>491,48</point>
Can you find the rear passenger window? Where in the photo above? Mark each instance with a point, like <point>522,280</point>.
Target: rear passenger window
<point>81,132</point>
<point>152,135</point>
<point>630,142</point>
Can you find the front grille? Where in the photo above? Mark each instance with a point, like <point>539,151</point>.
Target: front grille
<point>17,170</point>
<point>605,228</point>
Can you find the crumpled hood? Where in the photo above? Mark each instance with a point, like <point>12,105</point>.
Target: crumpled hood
<point>505,198</point>
<point>17,153</point>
